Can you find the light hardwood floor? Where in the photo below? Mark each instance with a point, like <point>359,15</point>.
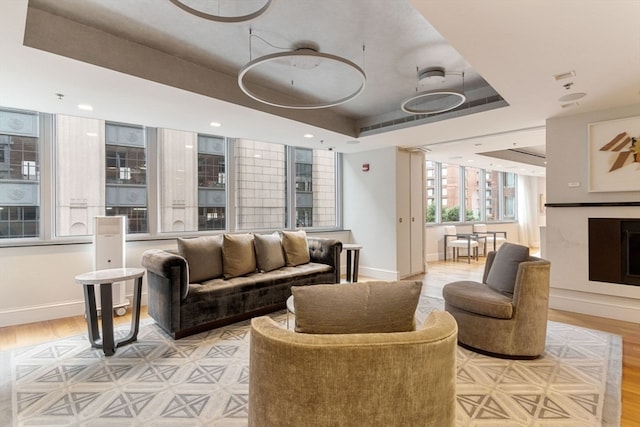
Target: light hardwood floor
<point>438,275</point>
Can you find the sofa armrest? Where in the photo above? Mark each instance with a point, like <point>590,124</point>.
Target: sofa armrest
<point>326,251</point>
<point>168,285</point>
<point>164,264</point>
<point>160,261</point>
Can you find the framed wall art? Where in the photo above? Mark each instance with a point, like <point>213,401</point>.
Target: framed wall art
<point>614,155</point>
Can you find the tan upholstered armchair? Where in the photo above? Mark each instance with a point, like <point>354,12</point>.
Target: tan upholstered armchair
<point>341,380</point>
<point>495,319</point>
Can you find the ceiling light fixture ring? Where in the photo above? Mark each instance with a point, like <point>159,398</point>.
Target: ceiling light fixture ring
<point>455,100</point>
<point>221,18</point>
<point>305,56</point>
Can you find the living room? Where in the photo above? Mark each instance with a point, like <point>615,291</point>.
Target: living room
<point>369,209</point>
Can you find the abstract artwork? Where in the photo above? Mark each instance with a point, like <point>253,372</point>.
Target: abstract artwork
<point>614,155</point>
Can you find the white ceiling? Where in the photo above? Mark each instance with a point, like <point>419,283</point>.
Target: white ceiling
<point>517,47</point>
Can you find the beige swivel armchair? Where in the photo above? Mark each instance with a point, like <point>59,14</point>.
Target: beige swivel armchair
<point>493,320</point>
<point>359,379</point>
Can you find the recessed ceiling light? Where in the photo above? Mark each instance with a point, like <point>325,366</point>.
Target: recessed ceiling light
<point>470,161</point>
<point>92,134</point>
<point>455,158</point>
<point>308,135</point>
<point>353,141</point>
<point>85,107</point>
<point>566,75</point>
<point>215,124</point>
<point>572,97</point>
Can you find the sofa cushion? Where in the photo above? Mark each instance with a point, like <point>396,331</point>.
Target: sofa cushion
<point>365,307</point>
<point>203,255</point>
<point>296,248</point>
<point>503,272</point>
<point>269,255</point>
<point>238,255</point>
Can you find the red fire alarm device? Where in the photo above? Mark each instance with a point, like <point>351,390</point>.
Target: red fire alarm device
<point>365,167</point>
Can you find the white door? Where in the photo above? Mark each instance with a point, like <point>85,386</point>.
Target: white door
<point>417,213</point>
<point>403,212</point>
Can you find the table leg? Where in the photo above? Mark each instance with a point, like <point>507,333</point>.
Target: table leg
<point>356,261</point>
<point>135,315</point>
<point>91,313</point>
<point>445,248</point>
<point>348,265</point>
<point>106,301</point>
<point>468,250</point>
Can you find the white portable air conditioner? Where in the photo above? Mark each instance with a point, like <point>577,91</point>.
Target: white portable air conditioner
<point>109,252</point>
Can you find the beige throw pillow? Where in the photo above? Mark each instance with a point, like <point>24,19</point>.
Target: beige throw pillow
<point>365,307</point>
<point>269,255</point>
<point>296,249</point>
<point>204,257</point>
<point>238,255</point>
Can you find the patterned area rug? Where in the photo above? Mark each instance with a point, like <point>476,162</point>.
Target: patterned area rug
<point>203,380</point>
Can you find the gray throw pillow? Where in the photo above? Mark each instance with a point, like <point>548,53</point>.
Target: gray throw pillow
<point>269,255</point>
<point>238,255</point>
<point>364,307</point>
<point>204,257</point>
<point>502,276</point>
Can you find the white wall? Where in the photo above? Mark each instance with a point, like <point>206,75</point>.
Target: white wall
<point>369,200</point>
<point>38,282</point>
<point>567,229</point>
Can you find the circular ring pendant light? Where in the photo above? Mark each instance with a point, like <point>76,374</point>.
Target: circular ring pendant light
<point>304,60</point>
<point>433,102</point>
<point>231,18</point>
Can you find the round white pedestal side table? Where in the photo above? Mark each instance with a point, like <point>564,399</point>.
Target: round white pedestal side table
<point>104,279</point>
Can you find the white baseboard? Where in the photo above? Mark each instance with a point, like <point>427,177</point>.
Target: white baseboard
<point>379,274</point>
<point>576,302</point>
<point>39,313</point>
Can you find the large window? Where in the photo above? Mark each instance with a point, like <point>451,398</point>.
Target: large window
<point>482,195</point>
<point>212,181</point>
<point>163,180</point>
<point>509,196</point>
<point>264,200</point>
<point>126,175</point>
<point>19,175</point>
<point>472,193</point>
<point>261,197</point>
<point>450,192</point>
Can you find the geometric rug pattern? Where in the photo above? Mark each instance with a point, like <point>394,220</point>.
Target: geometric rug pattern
<point>202,380</point>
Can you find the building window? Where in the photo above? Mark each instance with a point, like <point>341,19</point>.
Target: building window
<point>261,196</point>
<point>492,196</point>
<point>509,196</point>
<point>19,175</point>
<point>126,175</point>
<point>472,193</point>
<point>483,195</point>
<point>450,187</point>
<point>304,187</point>
<point>315,190</point>
<point>19,221</point>
<point>212,183</point>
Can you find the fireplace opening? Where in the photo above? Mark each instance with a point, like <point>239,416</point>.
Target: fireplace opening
<point>614,250</point>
